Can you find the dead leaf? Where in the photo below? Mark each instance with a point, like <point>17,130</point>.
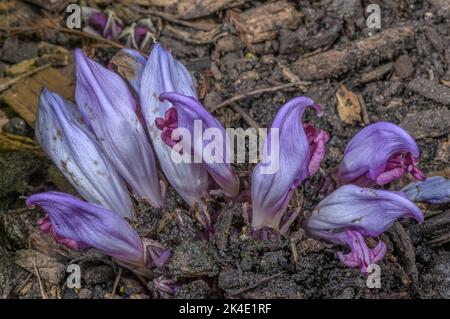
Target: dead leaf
<point>348,106</point>
<point>49,268</point>
<point>23,96</point>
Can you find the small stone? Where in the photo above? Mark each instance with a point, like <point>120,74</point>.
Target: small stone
<point>443,150</point>
<point>228,43</point>
<point>17,126</point>
<point>97,275</point>
<point>403,67</point>
<point>193,259</point>
<point>194,290</point>
<point>15,51</point>
<point>132,287</point>
<point>85,293</point>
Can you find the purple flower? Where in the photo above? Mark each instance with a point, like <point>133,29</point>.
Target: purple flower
<point>80,225</point>
<point>434,190</point>
<point>352,209</point>
<point>186,111</point>
<point>156,255</point>
<point>360,255</point>
<point>74,150</point>
<point>290,156</point>
<point>379,154</point>
<point>166,286</point>
<point>107,24</point>
<point>109,109</point>
<point>139,35</point>
<point>163,73</point>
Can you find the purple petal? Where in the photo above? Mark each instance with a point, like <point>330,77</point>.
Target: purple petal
<point>107,24</point>
<point>166,285</point>
<point>360,255</point>
<point>379,154</point>
<point>77,154</point>
<point>274,180</point>
<point>434,190</point>
<point>163,73</point>
<point>217,162</point>
<point>156,255</point>
<point>90,225</point>
<point>317,139</point>
<point>110,110</point>
<point>368,211</point>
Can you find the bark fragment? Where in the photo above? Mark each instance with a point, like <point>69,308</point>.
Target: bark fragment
<point>369,51</point>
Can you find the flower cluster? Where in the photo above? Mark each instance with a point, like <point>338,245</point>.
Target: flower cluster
<point>138,35</point>
<point>117,142</point>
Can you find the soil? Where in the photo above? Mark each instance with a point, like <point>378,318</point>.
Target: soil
<point>232,263</point>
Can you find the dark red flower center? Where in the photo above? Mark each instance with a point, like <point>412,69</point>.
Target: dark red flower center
<point>167,125</point>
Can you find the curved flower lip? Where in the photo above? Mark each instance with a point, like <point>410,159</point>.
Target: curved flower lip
<point>317,139</point>
<point>74,150</point>
<point>434,190</point>
<point>163,73</point>
<point>188,110</point>
<point>90,225</point>
<point>360,254</point>
<point>378,154</point>
<point>109,109</point>
<point>272,188</point>
<point>368,211</point>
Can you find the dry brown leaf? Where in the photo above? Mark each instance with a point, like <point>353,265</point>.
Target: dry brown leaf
<point>49,268</point>
<point>348,106</point>
<point>23,97</point>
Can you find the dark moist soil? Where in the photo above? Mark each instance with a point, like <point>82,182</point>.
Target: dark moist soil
<point>232,264</point>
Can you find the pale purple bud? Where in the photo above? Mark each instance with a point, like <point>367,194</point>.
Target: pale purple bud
<point>75,151</point>
<point>109,109</point>
<point>290,156</point>
<point>434,190</point>
<point>208,142</point>
<point>163,73</point>
<point>80,225</point>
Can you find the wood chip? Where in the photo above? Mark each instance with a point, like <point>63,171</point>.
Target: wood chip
<point>11,142</point>
<point>263,22</point>
<point>348,106</point>
<point>403,67</point>
<point>191,9</point>
<point>23,97</point>
<point>375,74</point>
<point>368,51</point>
<point>50,269</point>
<point>430,90</point>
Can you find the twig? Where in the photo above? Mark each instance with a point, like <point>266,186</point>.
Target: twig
<point>257,92</point>
<point>364,113</point>
<point>247,118</point>
<point>41,284</point>
<point>8,82</point>
<point>116,282</point>
<point>24,283</point>
<point>172,18</point>
<point>294,252</point>
<point>257,284</point>
<point>69,31</point>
